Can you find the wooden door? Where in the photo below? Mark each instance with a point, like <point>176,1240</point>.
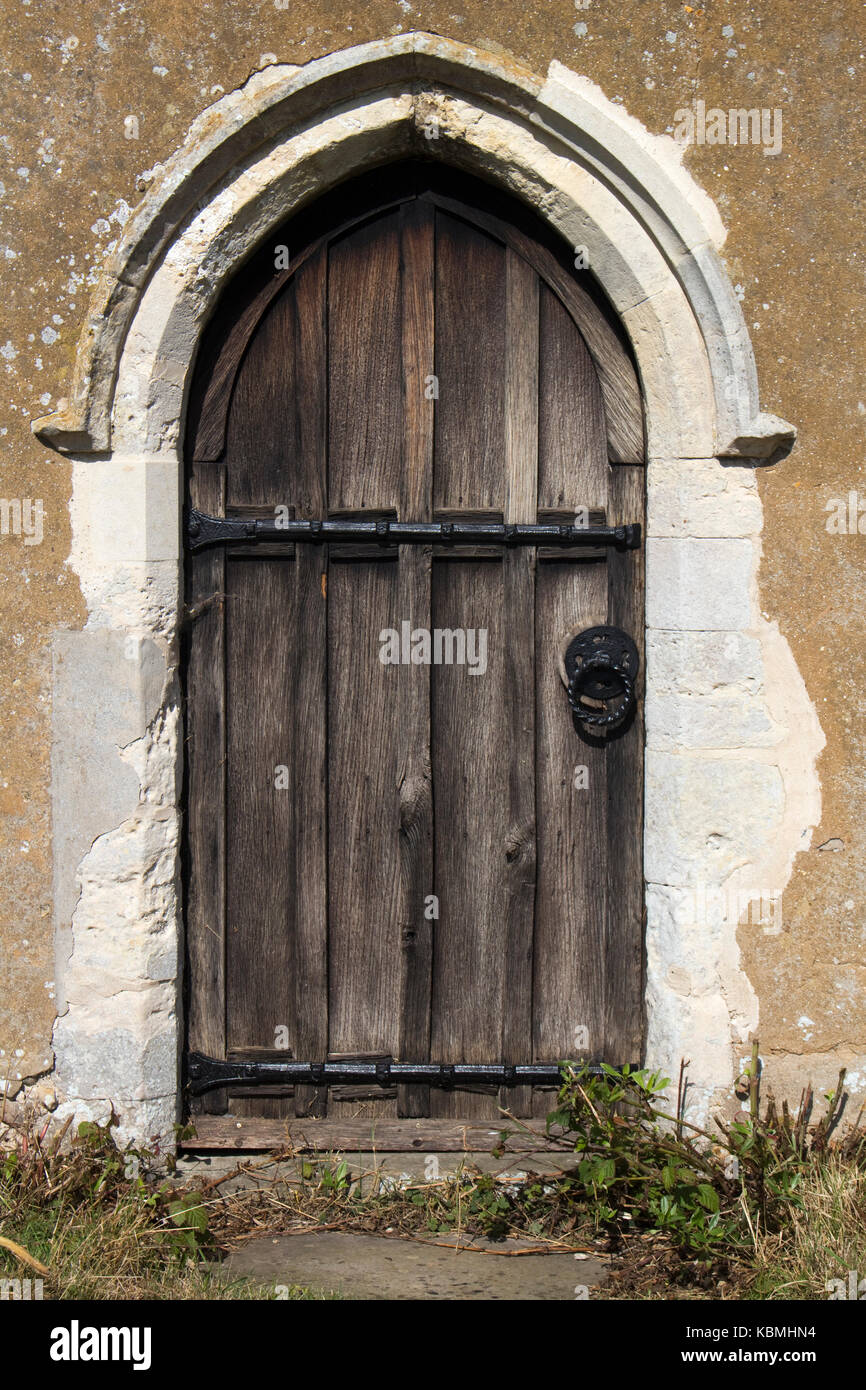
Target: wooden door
<point>408,858</point>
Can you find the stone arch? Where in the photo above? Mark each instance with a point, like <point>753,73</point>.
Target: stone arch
<point>651,235</point>
<point>729,787</point>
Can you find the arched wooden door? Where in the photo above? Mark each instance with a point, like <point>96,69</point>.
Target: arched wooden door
<point>392,854</point>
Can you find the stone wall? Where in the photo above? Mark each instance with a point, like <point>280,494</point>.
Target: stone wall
<point>755,919</point>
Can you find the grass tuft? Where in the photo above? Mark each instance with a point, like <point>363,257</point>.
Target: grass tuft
<point>95,1222</point>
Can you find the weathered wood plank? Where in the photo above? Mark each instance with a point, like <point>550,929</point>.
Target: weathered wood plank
<point>572,448</point>
<point>470,351</point>
<point>518,579</point>
<point>624,939</point>
<point>365,375</point>
<point>363,812</point>
<point>262,413</point>
<point>310,697</point>
<point>470,770</point>
<point>260,653</point>
<point>259,804</point>
<point>206,752</point>
<point>571,790</point>
<point>471,759</point>
<point>365,471</point>
<point>356,1136</point>
<point>208,424</point>
<point>414,926</point>
<point>573,845</point>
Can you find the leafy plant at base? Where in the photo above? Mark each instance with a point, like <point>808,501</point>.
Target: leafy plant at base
<point>641,1166</point>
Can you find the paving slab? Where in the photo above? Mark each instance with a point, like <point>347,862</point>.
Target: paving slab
<point>358,1266</point>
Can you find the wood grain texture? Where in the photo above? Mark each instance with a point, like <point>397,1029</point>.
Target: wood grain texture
<point>261,420</point>
<point>365,471</point>
<point>617,375</point>
<point>414,926</point>
<point>518,580</point>
<point>366,1137</point>
<point>572,446</point>
<point>471,751</point>
<point>570,960</point>
<point>624,945</point>
<point>260,655</point>
<point>470,352</point>
<point>205,763</point>
<point>363,812</point>
<point>209,428</point>
<point>263,469</point>
<point>365,366</point>
<point>310,696</point>
<point>569,945</point>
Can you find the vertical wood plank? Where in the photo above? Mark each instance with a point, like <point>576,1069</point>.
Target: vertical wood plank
<point>624,946</point>
<point>365,471</point>
<point>414,776</point>
<point>262,414</point>
<point>572,442</point>
<point>363,814</point>
<point>260,931</point>
<point>470,754</point>
<point>205,750</point>
<point>470,351</point>
<point>260,892</point>
<point>310,698</point>
<point>521,489</point>
<point>573,843</point>
<point>569,959</point>
<point>365,376</point>
<point>471,758</point>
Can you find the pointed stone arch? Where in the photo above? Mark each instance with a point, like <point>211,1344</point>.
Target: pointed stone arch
<point>651,235</point>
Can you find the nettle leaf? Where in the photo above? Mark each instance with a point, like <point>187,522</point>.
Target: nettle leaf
<point>559,1117</point>
<point>606,1171</point>
<point>708,1196</point>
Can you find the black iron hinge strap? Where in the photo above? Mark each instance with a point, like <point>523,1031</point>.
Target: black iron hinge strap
<point>206,1073</point>
<point>202,530</point>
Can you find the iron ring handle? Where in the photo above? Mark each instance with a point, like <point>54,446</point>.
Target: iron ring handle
<point>597,718</point>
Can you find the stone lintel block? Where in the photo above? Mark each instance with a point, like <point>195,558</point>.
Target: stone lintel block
<point>126,509</point>
<point>117,1064</point>
<point>708,721</point>
<point>708,816</point>
<point>702,585</point>
<point>704,663</point>
<point>702,498</point>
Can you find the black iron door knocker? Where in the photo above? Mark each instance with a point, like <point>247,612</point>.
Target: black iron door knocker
<point>601,668</point>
